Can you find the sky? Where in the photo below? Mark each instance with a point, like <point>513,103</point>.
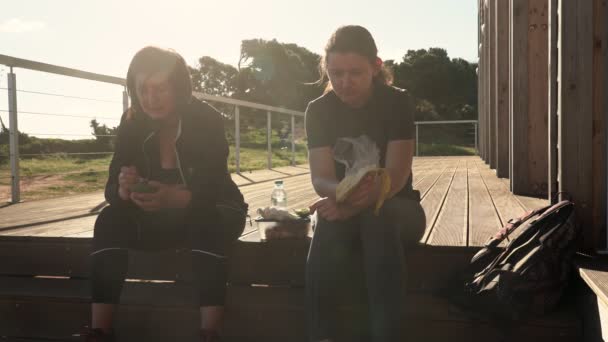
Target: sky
<point>102,36</point>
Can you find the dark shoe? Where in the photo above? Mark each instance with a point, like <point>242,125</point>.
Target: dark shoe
<point>96,335</point>
<point>210,336</point>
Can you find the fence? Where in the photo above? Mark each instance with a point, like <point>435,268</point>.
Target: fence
<point>12,90</point>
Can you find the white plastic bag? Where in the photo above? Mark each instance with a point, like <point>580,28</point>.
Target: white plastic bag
<point>361,157</point>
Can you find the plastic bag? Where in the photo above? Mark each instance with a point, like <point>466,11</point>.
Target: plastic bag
<point>361,157</point>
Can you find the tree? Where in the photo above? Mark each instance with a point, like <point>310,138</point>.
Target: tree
<point>5,135</point>
<point>450,85</point>
<point>214,77</point>
<point>103,135</point>
<point>277,74</point>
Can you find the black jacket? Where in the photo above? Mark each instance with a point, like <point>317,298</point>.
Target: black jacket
<point>201,151</point>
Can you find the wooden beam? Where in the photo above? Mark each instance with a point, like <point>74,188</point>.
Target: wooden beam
<point>502,86</point>
<point>529,61</point>
<point>510,105</point>
<point>481,77</point>
<point>492,86</point>
<point>575,109</point>
<point>486,80</point>
<point>488,67</point>
<point>600,113</point>
<point>553,83</point>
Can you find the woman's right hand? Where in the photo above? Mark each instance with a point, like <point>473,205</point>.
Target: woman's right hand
<point>127,177</point>
<point>365,194</point>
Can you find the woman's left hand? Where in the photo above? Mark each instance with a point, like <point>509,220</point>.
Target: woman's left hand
<point>167,196</point>
<point>366,193</point>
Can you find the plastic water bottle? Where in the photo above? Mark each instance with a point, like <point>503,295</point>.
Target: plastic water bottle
<point>278,198</point>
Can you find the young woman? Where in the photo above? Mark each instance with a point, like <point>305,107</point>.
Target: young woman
<point>359,101</point>
<point>177,144</point>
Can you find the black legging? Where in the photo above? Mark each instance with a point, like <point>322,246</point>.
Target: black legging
<point>378,242</point>
<point>117,230</point>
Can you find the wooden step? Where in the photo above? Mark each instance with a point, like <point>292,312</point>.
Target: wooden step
<point>57,308</point>
<point>272,263</point>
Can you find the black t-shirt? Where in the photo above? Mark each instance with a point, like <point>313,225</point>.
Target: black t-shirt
<point>387,116</point>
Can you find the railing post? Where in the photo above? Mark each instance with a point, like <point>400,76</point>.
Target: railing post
<point>237,139</point>
<point>269,139</point>
<point>416,140</point>
<point>13,137</point>
<point>293,140</point>
<point>125,100</point>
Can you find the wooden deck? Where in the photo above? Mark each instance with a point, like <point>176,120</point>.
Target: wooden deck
<point>44,268</point>
<point>463,199</point>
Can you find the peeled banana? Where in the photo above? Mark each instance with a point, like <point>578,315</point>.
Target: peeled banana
<point>349,184</point>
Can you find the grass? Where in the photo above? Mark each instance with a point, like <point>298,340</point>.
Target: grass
<point>445,150</point>
<point>56,176</point>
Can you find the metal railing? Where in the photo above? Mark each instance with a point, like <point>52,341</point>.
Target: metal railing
<point>13,62</point>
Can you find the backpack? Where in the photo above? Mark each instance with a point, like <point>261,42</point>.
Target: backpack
<point>528,276</point>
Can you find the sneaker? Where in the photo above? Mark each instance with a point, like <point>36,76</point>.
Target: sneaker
<point>96,335</point>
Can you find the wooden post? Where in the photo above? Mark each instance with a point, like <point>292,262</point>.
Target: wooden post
<point>492,85</point>
<point>502,88</point>
<point>510,105</point>
<point>481,108</point>
<point>600,114</point>
<point>575,109</point>
<point>488,95</point>
<point>484,80</point>
<point>553,83</point>
<point>529,61</point>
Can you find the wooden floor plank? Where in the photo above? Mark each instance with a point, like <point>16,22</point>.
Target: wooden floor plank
<point>530,203</point>
<point>452,222</point>
<point>507,206</point>
<point>483,219</point>
<point>434,198</point>
<point>432,176</point>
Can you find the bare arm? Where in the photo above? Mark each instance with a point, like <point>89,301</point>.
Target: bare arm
<point>323,171</point>
<point>399,155</point>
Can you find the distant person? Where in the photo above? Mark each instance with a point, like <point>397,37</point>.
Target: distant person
<point>177,144</point>
<point>359,100</point>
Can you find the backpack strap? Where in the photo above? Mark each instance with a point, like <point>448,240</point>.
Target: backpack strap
<point>511,225</point>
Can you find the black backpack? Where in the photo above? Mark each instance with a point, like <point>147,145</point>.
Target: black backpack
<point>528,276</point>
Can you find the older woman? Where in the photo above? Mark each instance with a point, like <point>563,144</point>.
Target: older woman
<point>175,145</point>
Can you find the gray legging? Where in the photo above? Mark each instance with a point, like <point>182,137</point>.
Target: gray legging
<point>366,251</point>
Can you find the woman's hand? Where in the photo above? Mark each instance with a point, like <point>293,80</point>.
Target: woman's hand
<point>128,176</point>
<point>167,196</point>
<point>365,194</point>
<point>331,211</point>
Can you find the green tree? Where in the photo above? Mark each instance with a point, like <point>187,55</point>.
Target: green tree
<point>214,77</point>
<point>450,85</point>
<point>103,135</point>
<point>277,74</point>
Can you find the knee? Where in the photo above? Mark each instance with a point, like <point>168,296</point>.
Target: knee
<point>112,226</point>
<point>110,217</point>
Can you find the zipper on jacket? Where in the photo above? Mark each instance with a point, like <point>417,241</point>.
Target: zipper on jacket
<point>143,147</point>
<point>179,164</point>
